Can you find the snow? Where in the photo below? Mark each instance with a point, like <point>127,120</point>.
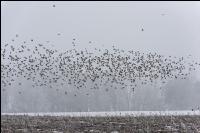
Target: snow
<point>104,114</point>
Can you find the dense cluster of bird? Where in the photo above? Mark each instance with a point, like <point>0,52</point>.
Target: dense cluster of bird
<point>101,69</point>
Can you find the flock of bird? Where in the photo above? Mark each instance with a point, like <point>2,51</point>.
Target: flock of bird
<point>101,69</point>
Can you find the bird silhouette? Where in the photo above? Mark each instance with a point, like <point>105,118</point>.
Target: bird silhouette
<point>110,68</point>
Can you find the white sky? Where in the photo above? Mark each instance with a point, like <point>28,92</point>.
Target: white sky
<point>107,23</point>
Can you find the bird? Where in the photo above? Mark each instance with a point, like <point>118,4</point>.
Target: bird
<point>114,67</point>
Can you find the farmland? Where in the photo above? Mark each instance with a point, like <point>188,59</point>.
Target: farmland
<point>100,124</point>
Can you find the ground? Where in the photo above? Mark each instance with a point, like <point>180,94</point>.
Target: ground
<point>62,124</point>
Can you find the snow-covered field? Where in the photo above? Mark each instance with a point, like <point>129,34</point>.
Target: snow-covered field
<point>117,113</point>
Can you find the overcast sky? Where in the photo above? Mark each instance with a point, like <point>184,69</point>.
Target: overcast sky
<point>169,28</point>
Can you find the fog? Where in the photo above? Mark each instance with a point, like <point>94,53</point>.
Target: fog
<point>167,28</point>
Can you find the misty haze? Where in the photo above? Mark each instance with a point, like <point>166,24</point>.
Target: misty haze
<point>100,57</point>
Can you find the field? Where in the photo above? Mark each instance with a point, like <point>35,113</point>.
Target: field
<point>100,124</point>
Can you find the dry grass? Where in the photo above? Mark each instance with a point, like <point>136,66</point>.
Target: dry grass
<point>142,124</point>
